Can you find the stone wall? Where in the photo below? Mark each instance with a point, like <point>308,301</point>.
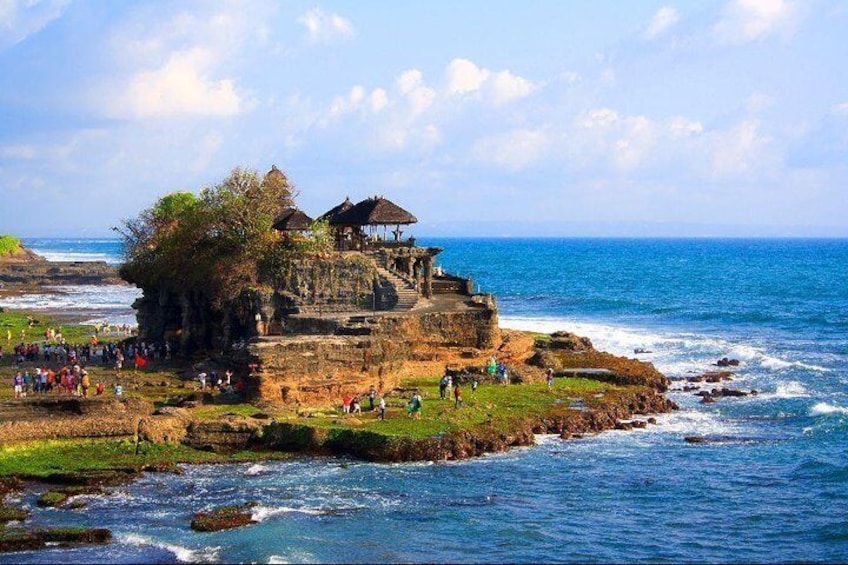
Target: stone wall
<point>338,278</point>
<point>189,320</point>
<point>315,368</point>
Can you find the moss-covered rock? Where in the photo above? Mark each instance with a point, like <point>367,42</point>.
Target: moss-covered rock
<point>64,537</point>
<point>223,518</point>
<point>58,497</point>
<point>11,514</point>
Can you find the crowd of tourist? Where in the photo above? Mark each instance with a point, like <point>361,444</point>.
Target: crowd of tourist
<point>54,365</point>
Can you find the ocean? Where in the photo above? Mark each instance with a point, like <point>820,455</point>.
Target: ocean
<point>772,485</point>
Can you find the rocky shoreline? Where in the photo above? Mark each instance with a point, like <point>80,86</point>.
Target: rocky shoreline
<point>567,422</point>
<point>43,276</point>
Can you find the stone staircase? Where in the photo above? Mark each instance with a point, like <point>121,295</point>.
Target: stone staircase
<point>407,295</point>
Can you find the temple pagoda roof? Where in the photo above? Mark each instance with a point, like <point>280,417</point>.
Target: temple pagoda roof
<point>292,220</point>
<point>373,211</point>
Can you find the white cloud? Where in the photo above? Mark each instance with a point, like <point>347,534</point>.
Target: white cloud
<point>841,109</point>
<point>464,76</point>
<point>735,151</point>
<point>357,100</point>
<point>323,27</point>
<point>181,87</point>
<point>378,100</point>
<point>665,18</point>
<point>506,87</point>
<point>20,19</point>
<point>498,88</point>
<point>419,96</point>
<point>744,21</point>
<point>683,127</point>
<point>18,152</point>
<point>599,118</point>
<point>514,150</point>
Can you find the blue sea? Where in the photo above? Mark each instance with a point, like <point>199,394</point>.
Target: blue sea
<point>771,486</point>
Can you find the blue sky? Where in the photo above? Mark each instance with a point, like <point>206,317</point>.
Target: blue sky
<point>492,118</point>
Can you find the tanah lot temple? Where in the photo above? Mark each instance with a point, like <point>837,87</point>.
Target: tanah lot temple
<point>342,319</point>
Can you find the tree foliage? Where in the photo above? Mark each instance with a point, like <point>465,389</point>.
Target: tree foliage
<point>9,244</point>
<point>212,243</point>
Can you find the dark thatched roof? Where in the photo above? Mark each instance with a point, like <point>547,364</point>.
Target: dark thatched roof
<point>331,214</point>
<point>292,220</point>
<point>375,211</point>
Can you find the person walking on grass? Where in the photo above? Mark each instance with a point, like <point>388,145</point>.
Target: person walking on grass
<point>457,396</point>
<point>382,408</point>
<point>413,409</point>
<point>549,378</point>
<point>372,396</point>
<point>443,386</point>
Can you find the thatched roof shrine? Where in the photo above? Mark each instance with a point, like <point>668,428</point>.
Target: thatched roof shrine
<point>275,174</point>
<point>333,212</point>
<point>292,220</point>
<point>374,211</point>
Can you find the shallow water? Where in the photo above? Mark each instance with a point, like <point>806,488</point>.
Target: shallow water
<point>771,486</point>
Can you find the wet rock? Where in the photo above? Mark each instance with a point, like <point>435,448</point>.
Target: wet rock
<point>717,376</point>
<point>63,537</point>
<point>223,518</point>
<point>639,424</point>
<point>652,420</point>
<point>695,439</point>
<point>725,362</point>
<point>10,514</point>
<point>707,400</point>
<point>626,426</point>
<point>58,497</point>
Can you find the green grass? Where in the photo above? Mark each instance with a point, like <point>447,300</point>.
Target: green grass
<point>12,322</point>
<point>491,404</point>
<point>45,458</point>
<point>9,244</point>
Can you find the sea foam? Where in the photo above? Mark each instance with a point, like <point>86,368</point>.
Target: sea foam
<point>183,554</point>
<point>823,408</point>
